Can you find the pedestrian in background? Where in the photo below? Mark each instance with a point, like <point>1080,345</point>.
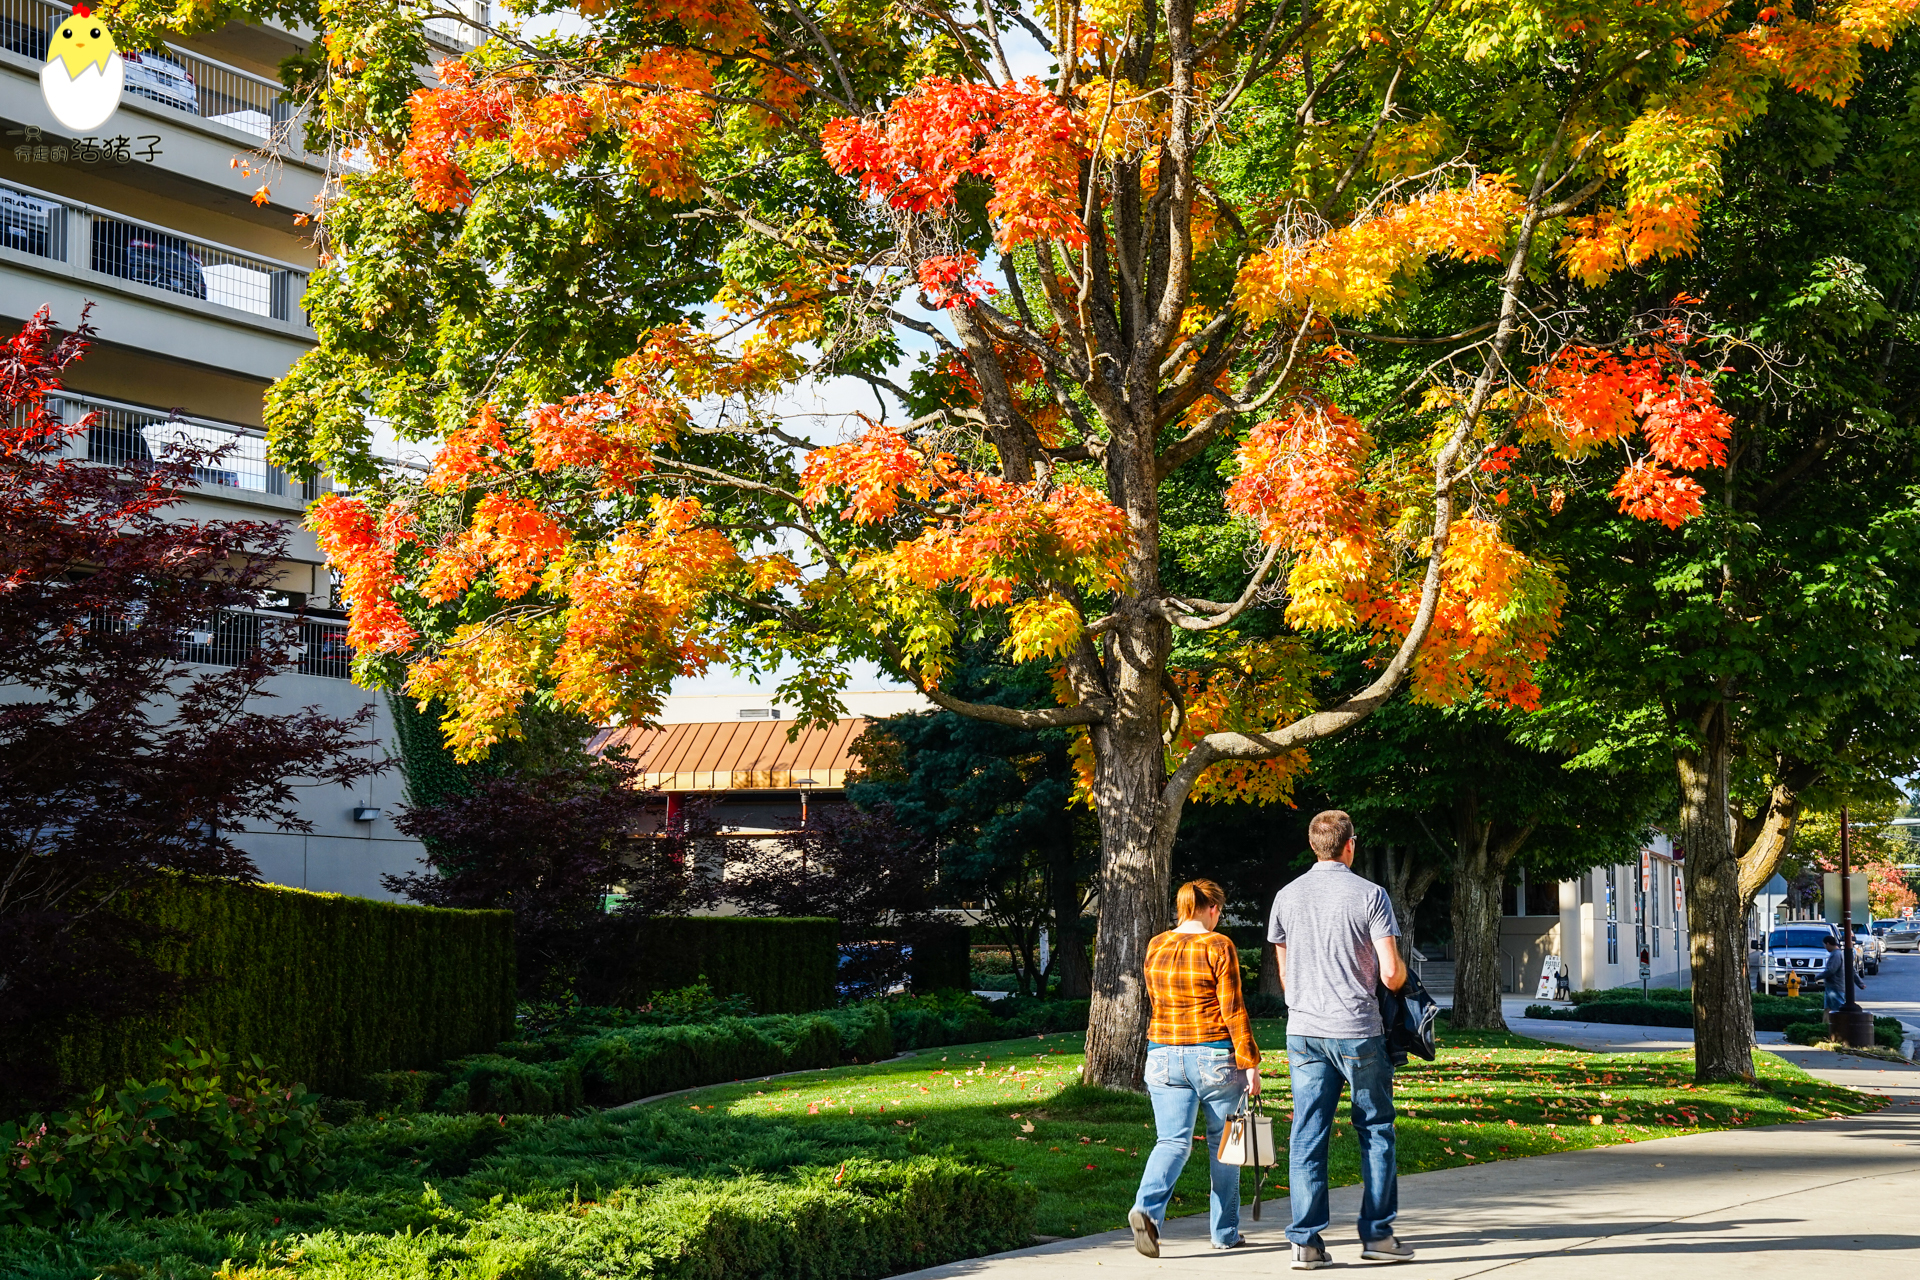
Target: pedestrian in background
<point>1200,1057</point>
<point>1833,978</point>
<point>1337,942</point>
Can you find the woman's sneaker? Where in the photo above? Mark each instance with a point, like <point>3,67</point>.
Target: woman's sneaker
<point>1388,1250</point>
<point>1146,1237</point>
<point>1310,1257</point>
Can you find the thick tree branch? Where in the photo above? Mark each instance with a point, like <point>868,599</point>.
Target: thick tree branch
<point>1767,845</point>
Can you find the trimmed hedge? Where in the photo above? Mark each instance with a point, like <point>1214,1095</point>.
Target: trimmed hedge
<point>783,966</point>
<point>1667,1013</point>
<point>942,960</point>
<point>633,1194</point>
<point>629,1063</point>
<point>327,989</point>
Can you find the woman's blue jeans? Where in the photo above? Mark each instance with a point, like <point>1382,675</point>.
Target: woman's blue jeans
<point>1182,1081</point>
<point>1319,1067</point>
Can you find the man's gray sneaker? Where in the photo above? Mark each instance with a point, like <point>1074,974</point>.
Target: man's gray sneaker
<point>1388,1250</point>
<point>1239,1242</point>
<point>1310,1257</point>
<point>1146,1237</point>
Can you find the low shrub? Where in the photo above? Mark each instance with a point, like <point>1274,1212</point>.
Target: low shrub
<point>991,961</point>
<point>626,1064</point>
<point>946,1017</point>
<point>1647,1013</point>
<point>495,1083</point>
<point>399,1092</point>
<point>640,1193</point>
<point>1614,995</point>
<point>807,1040</point>
<point>1888,1033</point>
<point>208,1132</point>
<point>866,1031</point>
<point>577,1054</point>
<point>1025,1016</point>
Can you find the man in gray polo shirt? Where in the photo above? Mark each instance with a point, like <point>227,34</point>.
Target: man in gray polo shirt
<point>1336,938</point>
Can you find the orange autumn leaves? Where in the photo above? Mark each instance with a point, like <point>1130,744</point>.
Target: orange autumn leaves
<point>607,623</point>
<point>658,110</point>
<point>1354,270</point>
<point>1025,142</point>
<point>1025,548</point>
<point>1587,398</point>
<point>606,627</point>
<point>1311,482</point>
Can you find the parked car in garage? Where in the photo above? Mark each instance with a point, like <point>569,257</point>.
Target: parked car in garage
<point>159,78</point>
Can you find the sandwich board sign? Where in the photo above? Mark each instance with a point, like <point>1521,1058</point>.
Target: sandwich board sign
<point>1549,978</point>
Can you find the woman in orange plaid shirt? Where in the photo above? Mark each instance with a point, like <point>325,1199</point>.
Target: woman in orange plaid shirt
<point>1200,1054</point>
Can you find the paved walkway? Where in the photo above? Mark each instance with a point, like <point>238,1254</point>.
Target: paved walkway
<point>1788,1202</point>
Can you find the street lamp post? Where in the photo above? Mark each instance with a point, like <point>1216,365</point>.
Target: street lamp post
<point>1850,1024</point>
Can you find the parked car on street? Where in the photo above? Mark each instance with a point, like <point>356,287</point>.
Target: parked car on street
<point>1867,949</point>
<point>1801,948</point>
<point>1903,936</point>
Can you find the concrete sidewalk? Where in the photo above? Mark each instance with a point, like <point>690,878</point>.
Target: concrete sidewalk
<point>1783,1202</point>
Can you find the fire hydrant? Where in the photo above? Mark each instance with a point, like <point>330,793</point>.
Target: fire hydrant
<point>1793,984</point>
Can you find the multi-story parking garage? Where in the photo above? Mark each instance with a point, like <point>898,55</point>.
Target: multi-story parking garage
<point>195,290</point>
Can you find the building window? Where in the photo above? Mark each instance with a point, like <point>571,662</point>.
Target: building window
<point>1653,914</point>
<point>1542,897</point>
<point>1613,916</point>
<point>1678,909</point>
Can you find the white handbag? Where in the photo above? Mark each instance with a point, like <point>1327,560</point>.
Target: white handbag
<point>1248,1140</point>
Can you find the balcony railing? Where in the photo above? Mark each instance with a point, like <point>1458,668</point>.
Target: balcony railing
<point>124,433</point>
<point>170,75</point>
<point>451,33</point>
<point>230,637</point>
<point>43,225</point>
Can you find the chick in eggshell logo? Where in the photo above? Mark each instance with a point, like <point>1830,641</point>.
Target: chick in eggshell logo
<point>84,73</point>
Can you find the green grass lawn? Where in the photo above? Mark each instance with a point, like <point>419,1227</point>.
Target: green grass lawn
<point>1489,1096</point>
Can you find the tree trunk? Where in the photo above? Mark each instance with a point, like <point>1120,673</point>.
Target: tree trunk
<point>1479,879</point>
<point>1406,880</point>
<point>1476,935</point>
<point>1716,911</point>
<point>1069,934</point>
<point>1270,971</point>
<point>1136,860</point>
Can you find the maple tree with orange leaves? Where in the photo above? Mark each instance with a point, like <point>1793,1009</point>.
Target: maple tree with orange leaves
<point>593,267</point>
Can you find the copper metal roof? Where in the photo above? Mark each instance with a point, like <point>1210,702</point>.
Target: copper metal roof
<point>737,755</point>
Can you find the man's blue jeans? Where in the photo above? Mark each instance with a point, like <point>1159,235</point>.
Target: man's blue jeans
<point>1836,997</point>
<point>1319,1067</point>
<point>1181,1081</point>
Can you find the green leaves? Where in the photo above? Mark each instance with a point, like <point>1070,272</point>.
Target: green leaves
<point>210,1131</point>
